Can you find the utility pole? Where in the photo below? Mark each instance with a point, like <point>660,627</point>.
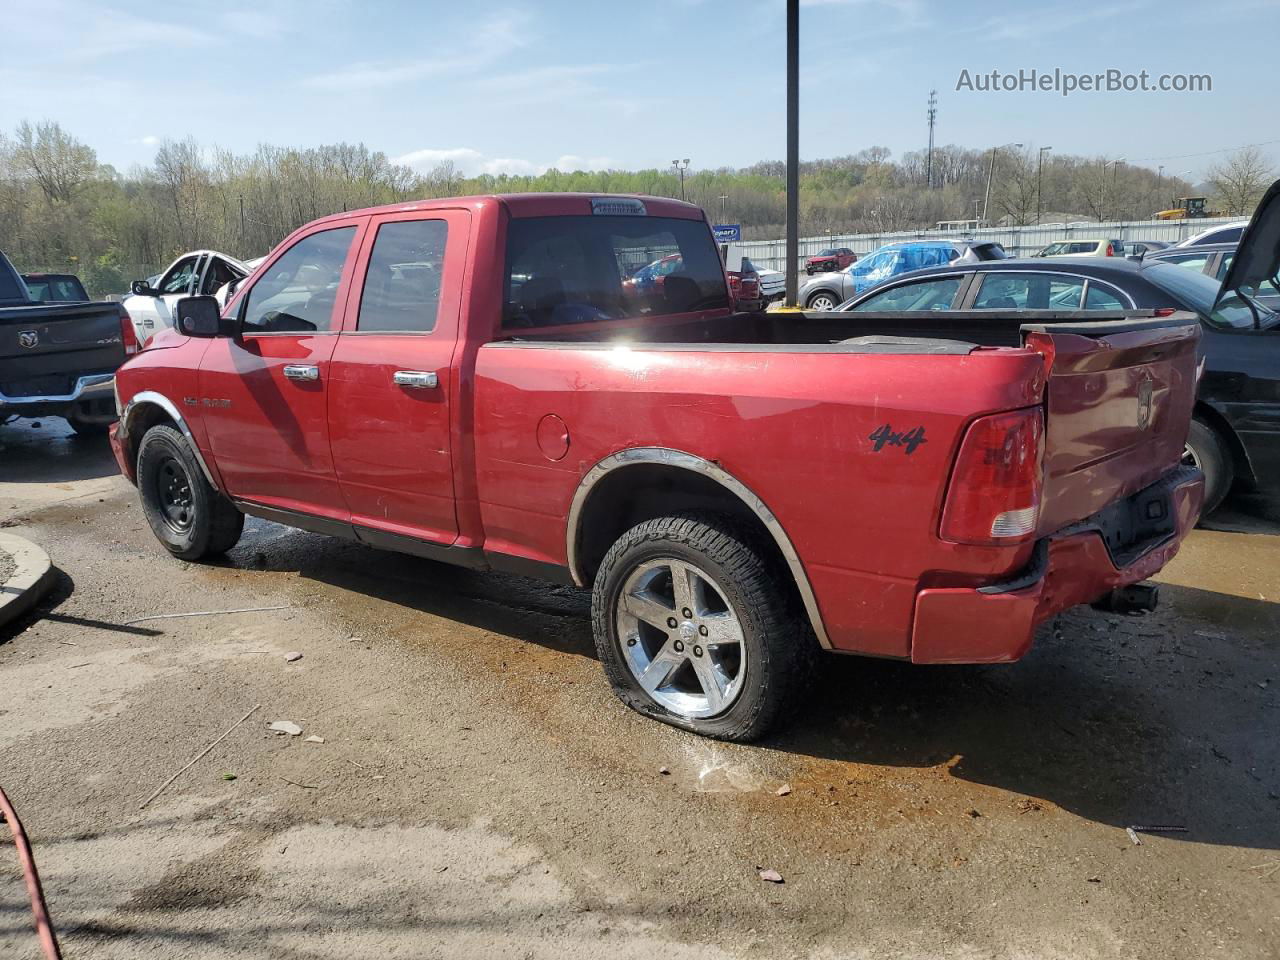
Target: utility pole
<point>991,169</point>
<point>679,170</point>
<point>723,198</point>
<point>793,151</point>
<point>1039,176</point>
<point>241,199</point>
<point>933,119</point>
<point>1102,186</point>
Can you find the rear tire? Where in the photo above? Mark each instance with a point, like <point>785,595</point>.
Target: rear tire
<point>726,657</point>
<point>1206,450</point>
<point>186,514</point>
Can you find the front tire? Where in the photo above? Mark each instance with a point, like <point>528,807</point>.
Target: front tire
<point>186,514</point>
<point>822,300</point>
<point>1206,450</point>
<point>693,629</point>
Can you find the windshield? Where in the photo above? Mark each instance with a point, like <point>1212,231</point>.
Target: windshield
<point>1199,291</point>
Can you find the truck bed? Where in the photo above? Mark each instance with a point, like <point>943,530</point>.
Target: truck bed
<point>951,331</point>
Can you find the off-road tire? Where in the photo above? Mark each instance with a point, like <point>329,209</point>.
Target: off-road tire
<point>1206,449</point>
<point>214,524</point>
<point>780,646</point>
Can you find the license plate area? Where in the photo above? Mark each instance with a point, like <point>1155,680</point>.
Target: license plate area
<point>1132,526</point>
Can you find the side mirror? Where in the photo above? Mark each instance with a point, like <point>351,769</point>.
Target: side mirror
<point>140,288</point>
<point>198,317</point>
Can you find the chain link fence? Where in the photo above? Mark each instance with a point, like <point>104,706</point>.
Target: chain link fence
<point>1018,241</point>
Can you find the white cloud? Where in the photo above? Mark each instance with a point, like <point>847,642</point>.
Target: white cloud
<point>496,38</point>
<point>470,162</point>
<point>150,140</point>
<point>90,31</point>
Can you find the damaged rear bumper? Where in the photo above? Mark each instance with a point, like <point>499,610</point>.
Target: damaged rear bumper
<point>1129,541</point>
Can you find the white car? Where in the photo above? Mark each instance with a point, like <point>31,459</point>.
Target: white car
<point>773,283</point>
<point>1223,233</point>
<point>1083,248</point>
<point>200,272</point>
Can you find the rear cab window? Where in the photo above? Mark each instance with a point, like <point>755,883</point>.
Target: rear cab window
<point>582,269</point>
<point>1025,290</point>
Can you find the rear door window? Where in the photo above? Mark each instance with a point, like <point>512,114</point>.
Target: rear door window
<point>1102,298</point>
<point>402,285</point>
<point>565,270</point>
<point>1025,290</point>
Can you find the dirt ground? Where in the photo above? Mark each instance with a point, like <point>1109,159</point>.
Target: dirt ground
<point>480,793</point>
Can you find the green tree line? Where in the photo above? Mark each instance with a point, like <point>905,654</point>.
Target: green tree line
<point>62,210</point>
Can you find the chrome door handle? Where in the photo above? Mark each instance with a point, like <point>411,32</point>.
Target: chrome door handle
<point>418,379</point>
<point>300,371</point>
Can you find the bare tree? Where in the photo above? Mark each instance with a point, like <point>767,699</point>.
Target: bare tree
<point>1239,181</point>
<point>53,158</point>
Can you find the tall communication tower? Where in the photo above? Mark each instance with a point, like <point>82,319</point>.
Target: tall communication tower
<point>933,119</point>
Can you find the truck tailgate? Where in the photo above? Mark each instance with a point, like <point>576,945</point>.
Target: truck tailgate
<point>44,348</point>
<point>1119,400</point>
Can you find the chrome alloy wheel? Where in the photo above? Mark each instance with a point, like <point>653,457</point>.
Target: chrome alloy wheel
<point>681,639</point>
<point>1189,457</point>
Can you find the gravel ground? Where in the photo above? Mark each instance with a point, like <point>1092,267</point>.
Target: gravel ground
<point>480,793</point>
<point>7,567</point>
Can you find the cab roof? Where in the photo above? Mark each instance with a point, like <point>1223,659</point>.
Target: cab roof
<point>531,205</point>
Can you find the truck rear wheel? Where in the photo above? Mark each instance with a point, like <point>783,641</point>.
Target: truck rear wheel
<point>186,514</point>
<point>693,629</point>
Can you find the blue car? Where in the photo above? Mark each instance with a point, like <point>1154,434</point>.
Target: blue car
<point>827,290</point>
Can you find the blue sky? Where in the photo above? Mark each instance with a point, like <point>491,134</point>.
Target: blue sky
<point>516,86</point>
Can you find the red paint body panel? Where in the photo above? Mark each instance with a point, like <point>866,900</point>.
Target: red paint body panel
<point>961,625</point>
<point>494,455</point>
<point>1099,390</point>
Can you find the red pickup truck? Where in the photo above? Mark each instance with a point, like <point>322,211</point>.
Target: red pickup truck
<point>470,380</point>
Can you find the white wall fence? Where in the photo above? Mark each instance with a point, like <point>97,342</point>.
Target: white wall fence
<point>1019,241</point>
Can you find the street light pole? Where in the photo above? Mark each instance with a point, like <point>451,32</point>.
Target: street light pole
<point>679,169</point>
<point>793,151</point>
<point>1039,176</point>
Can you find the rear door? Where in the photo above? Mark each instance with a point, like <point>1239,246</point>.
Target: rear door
<point>264,394</point>
<point>1119,398</point>
<point>391,380</point>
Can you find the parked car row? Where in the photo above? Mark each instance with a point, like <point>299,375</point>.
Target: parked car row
<point>1231,288</point>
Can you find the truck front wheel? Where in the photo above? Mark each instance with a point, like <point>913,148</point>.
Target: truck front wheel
<point>186,514</point>
<point>694,630</point>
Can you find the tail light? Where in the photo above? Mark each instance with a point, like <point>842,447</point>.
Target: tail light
<point>1111,250</point>
<point>994,497</point>
<point>128,336</point>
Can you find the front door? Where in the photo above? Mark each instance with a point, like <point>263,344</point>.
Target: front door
<point>150,315</point>
<point>391,382</point>
<point>265,392</point>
